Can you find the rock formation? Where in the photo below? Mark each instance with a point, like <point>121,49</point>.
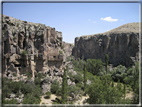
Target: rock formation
<point>121,45</point>
<point>30,47</point>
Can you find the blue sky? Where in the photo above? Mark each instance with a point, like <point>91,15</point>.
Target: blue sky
<point>75,19</point>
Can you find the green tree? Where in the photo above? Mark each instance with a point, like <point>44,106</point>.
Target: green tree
<point>95,66</point>
<point>103,94</point>
<point>112,84</point>
<point>85,78</point>
<point>135,85</point>
<point>64,88</point>
<point>106,60</point>
<point>55,86</point>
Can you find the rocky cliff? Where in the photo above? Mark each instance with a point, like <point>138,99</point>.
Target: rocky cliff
<point>30,47</point>
<point>121,45</point>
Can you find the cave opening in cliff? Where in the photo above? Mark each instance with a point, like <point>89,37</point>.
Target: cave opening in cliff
<point>17,65</point>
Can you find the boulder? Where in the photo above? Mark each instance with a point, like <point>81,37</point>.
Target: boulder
<point>12,96</point>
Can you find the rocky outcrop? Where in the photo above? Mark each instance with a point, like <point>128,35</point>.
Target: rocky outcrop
<point>30,47</point>
<point>121,45</point>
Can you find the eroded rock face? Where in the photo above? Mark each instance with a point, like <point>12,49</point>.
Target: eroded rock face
<point>30,47</point>
<point>122,48</point>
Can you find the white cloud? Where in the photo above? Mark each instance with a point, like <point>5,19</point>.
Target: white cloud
<point>109,19</point>
<point>94,21</point>
<point>89,20</point>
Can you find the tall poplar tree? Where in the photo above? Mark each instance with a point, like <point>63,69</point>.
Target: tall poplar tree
<point>85,78</point>
<point>64,88</point>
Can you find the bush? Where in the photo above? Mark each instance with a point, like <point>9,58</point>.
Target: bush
<point>14,37</point>
<point>14,74</point>
<point>12,101</point>
<point>64,50</point>
<point>59,92</point>
<point>99,93</point>
<point>48,95</point>
<point>17,24</point>
<point>73,89</point>
<point>29,99</point>
<point>79,85</point>
<point>62,46</point>
<point>78,65</point>
<point>37,81</point>
<point>28,74</point>
<point>95,66</point>
<point>27,88</point>
<point>24,52</point>
<point>78,78</point>
<point>60,52</point>
<point>118,73</point>
<point>55,86</point>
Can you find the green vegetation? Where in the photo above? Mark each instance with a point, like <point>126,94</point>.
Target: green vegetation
<point>14,74</point>
<point>4,31</point>
<point>85,78</point>
<point>14,37</point>
<point>60,52</point>
<point>102,89</point>
<point>95,66</point>
<point>48,95</point>
<point>17,24</point>
<point>10,23</point>
<point>64,88</point>
<point>55,86</point>
<point>24,52</point>
<point>62,46</point>
<point>64,50</point>
<point>28,74</point>
<point>31,93</point>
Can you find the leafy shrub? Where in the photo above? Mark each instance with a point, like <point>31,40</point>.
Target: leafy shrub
<point>29,99</point>
<point>39,75</point>
<point>17,24</point>
<point>12,101</point>
<point>24,52</point>
<point>73,89</point>
<point>62,46</point>
<point>48,95</point>
<point>59,92</point>
<point>60,52</point>
<point>4,31</point>
<point>78,78</point>
<point>64,50</point>
<point>78,65</point>
<point>118,73</point>
<point>99,93</point>
<point>14,37</point>
<point>95,66</point>
<point>37,81</point>
<point>28,74</point>
<point>14,74</point>
<point>55,86</point>
<point>27,88</point>
<point>79,85</point>
<point>10,23</point>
